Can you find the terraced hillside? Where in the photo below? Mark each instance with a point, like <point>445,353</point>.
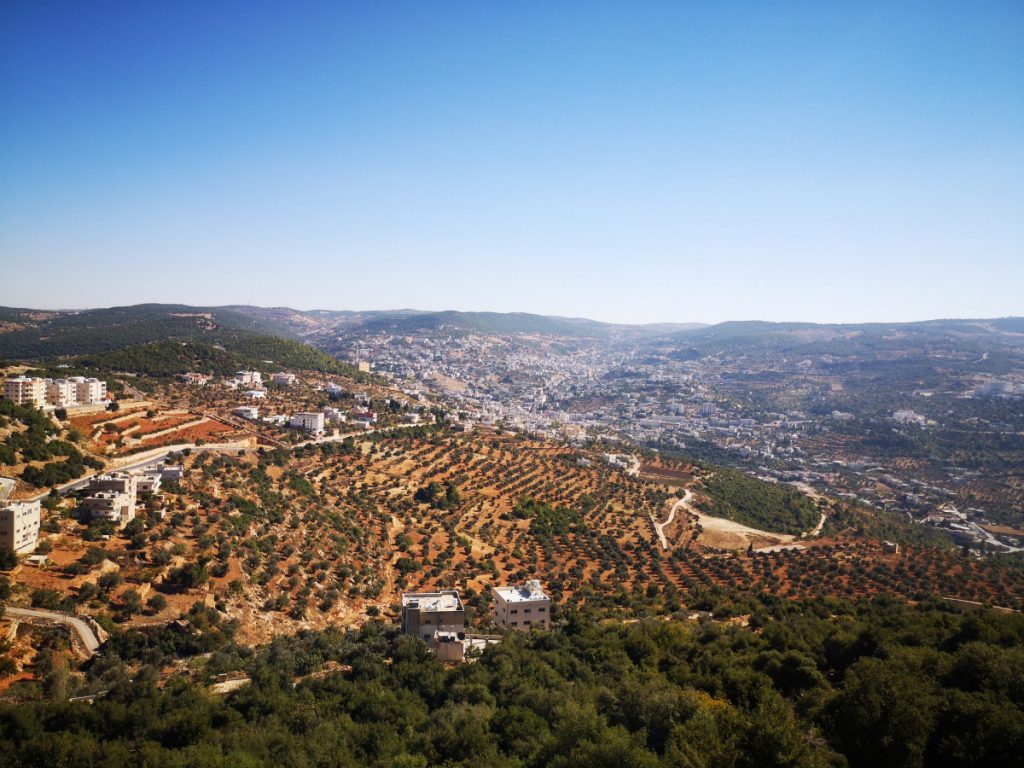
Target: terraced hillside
<point>330,534</point>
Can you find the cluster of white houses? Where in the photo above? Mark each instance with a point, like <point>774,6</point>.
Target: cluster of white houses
<point>439,618</point>
<point>241,379</point>
<point>60,393</point>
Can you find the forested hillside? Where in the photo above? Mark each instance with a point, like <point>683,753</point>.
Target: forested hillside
<point>90,331</point>
<point>747,500</point>
<point>225,353</point>
<point>824,683</point>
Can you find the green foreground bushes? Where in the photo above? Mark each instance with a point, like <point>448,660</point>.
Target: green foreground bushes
<point>819,684</point>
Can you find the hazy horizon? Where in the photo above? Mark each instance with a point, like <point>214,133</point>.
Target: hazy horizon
<point>637,163</point>
<point>224,305</point>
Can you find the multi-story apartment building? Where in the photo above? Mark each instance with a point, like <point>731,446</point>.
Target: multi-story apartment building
<point>283,379</point>
<point>19,525</point>
<point>425,613</point>
<point>311,422</point>
<point>25,390</point>
<point>112,497</point>
<point>61,393</point>
<point>118,508</point>
<point>89,391</point>
<point>522,607</point>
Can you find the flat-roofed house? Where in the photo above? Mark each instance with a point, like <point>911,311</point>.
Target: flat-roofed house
<point>425,613</point>
<point>522,607</point>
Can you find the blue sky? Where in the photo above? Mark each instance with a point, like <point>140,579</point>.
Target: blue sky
<point>631,161</point>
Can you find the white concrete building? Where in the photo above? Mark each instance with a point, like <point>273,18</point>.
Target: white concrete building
<point>522,607</point>
<point>89,391</point>
<point>247,412</point>
<point>255,394</point>
<point>148,482</point>
<point>19,525</point>
<point>334,415</point>
<point>171,473</point>
<point>118,508</point>
<point>426,613</point>
<point>196,379</point>
<point>311,422</point>
<point>25,390</point>
<point>61,393</point>
<point>252,378</point>
<point>112,497</point>
<point>283,379</point>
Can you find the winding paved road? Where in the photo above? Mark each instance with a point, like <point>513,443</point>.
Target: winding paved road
<point>81,628</point>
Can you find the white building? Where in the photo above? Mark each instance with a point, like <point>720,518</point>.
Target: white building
<point>255,394</point>
<point>247,412</point>
<point>25,390</point>
<point>89,391</point>
<point>118,508</point>
<point>196,379</point>
<point>112,497</point>
<point>171,473</point>
<point>334,415</point>
<point>334,390</point>
<point>426,613</point>
<point>283,379</point>
<point>252,378</point>
<point>311,422</point>
<point>522,607</point>
<point>148,482</point>
<point>61,393</point>
<point>19,525</point>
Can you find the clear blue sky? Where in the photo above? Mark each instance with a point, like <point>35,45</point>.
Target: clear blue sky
<point>677,161</point>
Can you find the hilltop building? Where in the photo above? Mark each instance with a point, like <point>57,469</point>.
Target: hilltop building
<point>283,379</point>
<point>426,613</point>
<point>19,525</point>
<point>522,607</point>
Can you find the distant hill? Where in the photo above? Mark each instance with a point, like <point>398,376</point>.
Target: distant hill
<point>233,351</point>
<point>749,337</point>
<point>489,322</point>
<point>41,335</point>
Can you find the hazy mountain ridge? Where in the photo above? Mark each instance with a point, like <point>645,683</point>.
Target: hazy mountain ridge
<point>31,334</point>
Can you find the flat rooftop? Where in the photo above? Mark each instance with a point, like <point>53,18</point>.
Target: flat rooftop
<point>448,600</point>
<point>520,593</point>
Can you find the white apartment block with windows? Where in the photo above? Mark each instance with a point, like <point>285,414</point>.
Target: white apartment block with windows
<point>283,379</point>
<point>77,390</point>
<point>522,607</point>
<point>61,393</point>
<point>25,390</point>
<point>19,525</point>
<point>311,422</point>
<point>89,391</point>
